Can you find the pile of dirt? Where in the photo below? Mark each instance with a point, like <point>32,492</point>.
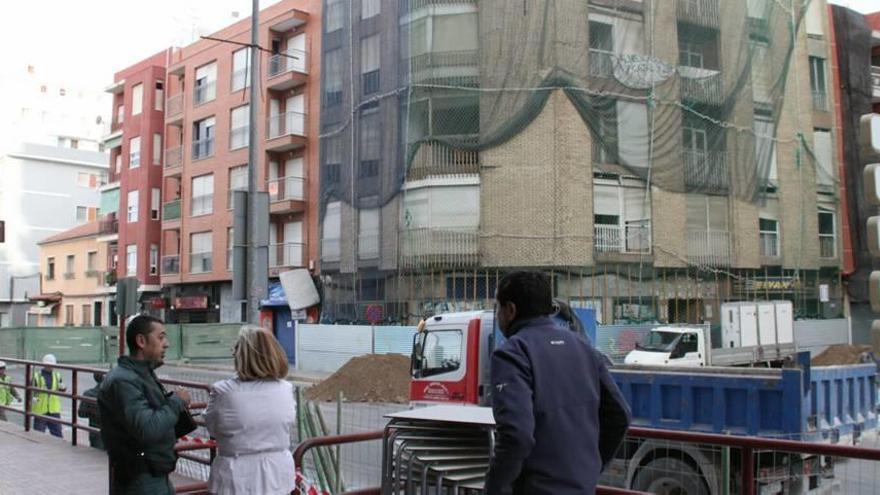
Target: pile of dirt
<point>843,354</point>
<point>370,378</point>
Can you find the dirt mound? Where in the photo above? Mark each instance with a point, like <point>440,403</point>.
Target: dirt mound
<point>842,354</point>
<point>370,378</point>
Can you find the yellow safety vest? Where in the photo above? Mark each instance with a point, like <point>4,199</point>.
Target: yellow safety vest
<point>43,402</point>
<point>5,391</point>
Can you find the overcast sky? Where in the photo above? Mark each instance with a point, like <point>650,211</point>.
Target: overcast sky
<point>89,40</point>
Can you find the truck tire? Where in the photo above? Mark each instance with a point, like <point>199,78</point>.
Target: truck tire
<point>668,476</point>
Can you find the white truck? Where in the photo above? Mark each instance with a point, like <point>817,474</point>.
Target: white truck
<point>752,334</point>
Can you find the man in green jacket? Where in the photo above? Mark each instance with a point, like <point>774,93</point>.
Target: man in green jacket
<point>138,416</point>
<point>7,391</point>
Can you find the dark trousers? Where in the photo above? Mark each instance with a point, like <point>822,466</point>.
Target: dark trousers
<point>139,484</point>
<point>41,424</point>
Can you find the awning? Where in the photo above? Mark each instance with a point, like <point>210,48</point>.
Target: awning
<point>45,309</point>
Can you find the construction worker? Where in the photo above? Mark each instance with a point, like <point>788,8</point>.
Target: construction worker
<point>44,403</point>
<point>7,392</point>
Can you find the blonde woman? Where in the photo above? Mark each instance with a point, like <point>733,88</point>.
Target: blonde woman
<point>251,416</point>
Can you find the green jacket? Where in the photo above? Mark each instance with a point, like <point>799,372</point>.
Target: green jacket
<point>137,420</point>
<point>6,391</point>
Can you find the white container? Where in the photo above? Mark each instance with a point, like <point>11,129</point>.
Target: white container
<point>784,322</point>
<point>767,323</point>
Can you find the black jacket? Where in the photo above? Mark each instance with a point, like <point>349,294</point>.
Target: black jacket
<point>559,415</point>
<point>138,419</point>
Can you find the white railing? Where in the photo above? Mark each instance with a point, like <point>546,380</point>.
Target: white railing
<point>442,247</point>
<point>173,157</point>
<point>285,254</point>
<point>875,82</point>
<point>205,93</point>
<point>709,248</point>
<point>286,188</point>
<point>174,105</point>
<point>701,85</point>
<point>288,123</point>
<point>699,12</point>
<point>292,61</point>
<point>769,244</point>
<point>202,205</point>
<point>201,262</point>
<point>331,249</point>
<point>436,159</point>
<point>239,137</point>
<point>616,239</point>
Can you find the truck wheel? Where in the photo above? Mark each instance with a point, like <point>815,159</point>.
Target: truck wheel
<point>668,476</point>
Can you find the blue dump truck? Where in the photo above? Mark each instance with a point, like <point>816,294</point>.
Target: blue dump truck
<point>835,404</point>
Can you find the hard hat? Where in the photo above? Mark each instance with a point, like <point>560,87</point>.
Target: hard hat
<point>49,359</point>
<point>2,364</point>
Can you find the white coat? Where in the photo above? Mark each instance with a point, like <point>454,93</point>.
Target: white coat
<point>252,421</point>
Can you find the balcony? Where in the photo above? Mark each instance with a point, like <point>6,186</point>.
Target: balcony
<point>820,101</point>
<point>203,148</point>
<point>456,68</point>
<point>702,13</point>
<point>171,210</point>
<point>173,160</point>
<point>630,239</point>
<point>286,255</point>
<point>875,84</point>
<point>434,159</point>
<point>705,171</point>
<point>701,85</point>
<point>286,195</point>
<point>601,63</point>
<point>286,131</point>
<point>205,93</point>
<point>414,5</point>
<point>201,262</point>
<point>439,248</point>
<point>288,70</point>
<point>174,109</point>
<point>709,248</point>
<point>108,228</point>
<point>239,137</point>
<point>171,265</point>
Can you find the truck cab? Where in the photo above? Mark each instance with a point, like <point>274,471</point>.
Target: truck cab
<point>672,346</point>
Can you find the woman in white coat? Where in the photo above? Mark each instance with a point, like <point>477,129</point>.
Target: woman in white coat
<point>251,416</point>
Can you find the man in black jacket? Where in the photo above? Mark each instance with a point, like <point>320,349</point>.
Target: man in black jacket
<point>559,415</point>
<point>138,416</point>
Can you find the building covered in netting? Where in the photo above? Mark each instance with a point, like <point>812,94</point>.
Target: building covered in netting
<point>657,157</point>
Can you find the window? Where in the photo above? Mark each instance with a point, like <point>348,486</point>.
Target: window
<point>621,218</point>
<point>333,77</point>
<point>817,83</point>
<point>86,315</point>
<point>823,155</point>
<point>84,179</point>
<point>137,99</point>
<point>604,146</point>
<point>202,195</point>
<point>769,231</point>
<point>827,234</point>
<point>238,180</point>
<point>159,96</point>
<point>331,172</point>
<point>134,152</point>
<point>118,162</point>
<point>706,213</point>
<point>239,127</point>
<point>131,252</point>
<point>230,244</point>
<point>155,199</point>
<point>335,17</point>
<point>120,114</point>
<point>82,214</point>
<point>370,64</point>
<point>765,149</point>
<point>241,69</point>
<point>132,206</point>
<point>370,8</point>
<point>206,84</point>
<point>154,259</point>
<point>50,268</point>
<point>437,352</point>
<point>368,233</point>
<point>761,72</point>
<point>370,142</point>
<point>157,149</point>
<point>689,54</point>
<point>68,315</point>
<point>332,232</point>
<point>601,49</point>
<point>200,260</point>
<point>203,138</point>
<point>814,19</point>
<point>70,266</point>
<point>92,261</point>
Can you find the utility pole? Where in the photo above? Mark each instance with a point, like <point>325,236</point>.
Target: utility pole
<point>257,272</point>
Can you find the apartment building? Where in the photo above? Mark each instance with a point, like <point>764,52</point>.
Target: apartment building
<point>206,156</point>
<point>130,223</point>
<point>74,292</point>
<point>658,161</point>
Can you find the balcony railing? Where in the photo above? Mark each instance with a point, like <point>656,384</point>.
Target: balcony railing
<point>699,12</point>
<point>239,137</point>
<point>173,157</point>
<point>203,148</point>
<point>820,100</point>
<point>171,264</point>
<point>438,60</point>
<point>769,244</point>
<point>709,248</point>
<point>701,85</point>
<point>286,188</point>
<point>413,5</point>
<point>205,93</point>
<point>601,63</point>
<point>875,83</point>
<point>202,204</point>
<point>827,246</point>
<point>108,225</point>
<point>331,249</point>
<point>201,262</point>
<point>288,123</point>
<point>705,171</point>
<point>171,210</point>
<point>286,254</point>
<point>368,246</point>
<point>436,159</point>
<point>627,239</point>
<point>174,106</point>
<point>439,247</point>
<point>292,61</point>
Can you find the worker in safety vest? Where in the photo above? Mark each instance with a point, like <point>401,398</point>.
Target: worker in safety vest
<point>44,403</point>
<point>7,392</point>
